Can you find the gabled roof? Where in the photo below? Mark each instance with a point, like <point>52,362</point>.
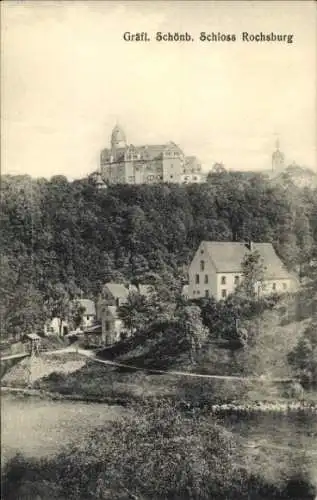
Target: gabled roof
<point>227,257</point>
<point>32,336</point>
<point>118,290</point>
<point>89,306</point>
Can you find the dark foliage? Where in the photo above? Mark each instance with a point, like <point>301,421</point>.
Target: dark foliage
<point>60,238</point>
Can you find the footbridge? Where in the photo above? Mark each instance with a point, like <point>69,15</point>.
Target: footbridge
<point>8,361</point>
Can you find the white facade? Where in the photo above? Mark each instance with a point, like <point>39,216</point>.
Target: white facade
<point>57,327</point>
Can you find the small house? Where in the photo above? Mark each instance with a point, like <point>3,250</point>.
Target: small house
<point>89,312</point>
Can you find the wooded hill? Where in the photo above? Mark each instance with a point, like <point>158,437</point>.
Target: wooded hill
<point>60,237</point>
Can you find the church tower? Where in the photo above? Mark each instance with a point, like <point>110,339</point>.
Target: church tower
<point>118,140</point>
<point>277,158</point>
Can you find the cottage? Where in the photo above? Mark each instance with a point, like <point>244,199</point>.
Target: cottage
<point>216,269</point>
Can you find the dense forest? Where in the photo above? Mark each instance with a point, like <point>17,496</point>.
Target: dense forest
<point>61,239</point>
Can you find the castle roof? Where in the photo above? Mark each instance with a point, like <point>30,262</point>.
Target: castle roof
<point>118,134</point>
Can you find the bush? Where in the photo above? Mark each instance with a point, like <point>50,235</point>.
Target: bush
<point>156,453</point>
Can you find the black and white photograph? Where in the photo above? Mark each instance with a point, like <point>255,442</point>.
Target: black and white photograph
<point>158,264</point>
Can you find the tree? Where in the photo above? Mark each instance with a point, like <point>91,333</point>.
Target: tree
<point>76,313</point>
<point>253,274</point>
<point>22,309</point>
<point>195,333</point>
<point>134,312</point>
<point>303,358</point>
<point>59,303</point>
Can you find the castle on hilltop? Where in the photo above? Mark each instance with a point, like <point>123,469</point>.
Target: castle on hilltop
<point>125,163</point>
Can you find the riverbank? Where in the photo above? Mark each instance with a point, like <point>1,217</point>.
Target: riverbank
<point>217,409</point>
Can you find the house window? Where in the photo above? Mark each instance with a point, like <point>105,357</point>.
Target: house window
<point>274,286</point>
<point>206,278</point>
<point>223,293</point>
<point>223,280</point>
<point>206,293</point>
<point>236,280</point>
<point>202,265</point>
<point>197,279</point>
<point>201,251</point>
<point>171,177</point>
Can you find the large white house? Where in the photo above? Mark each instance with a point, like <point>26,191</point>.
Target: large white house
<point>216,269</point>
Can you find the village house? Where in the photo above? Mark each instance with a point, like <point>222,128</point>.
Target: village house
<point>113,296</point>
<point>89,312</point>
<point>56,326</point>
<point>216,270</point>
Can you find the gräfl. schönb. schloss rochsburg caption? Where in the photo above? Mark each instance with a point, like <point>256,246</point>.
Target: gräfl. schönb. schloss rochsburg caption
<point>209,37</point>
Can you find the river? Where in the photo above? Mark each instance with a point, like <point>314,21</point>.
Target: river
<point>273,443</point>
<point>38,428</point>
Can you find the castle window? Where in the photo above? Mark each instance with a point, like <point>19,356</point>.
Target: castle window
<point>223,280</point>
<point>171,176</point>
<point>206,278</point>
<point>197,279</point>
<point>223,293</point>
<point>202,265</point>
<point>236,280</point>
<point>206,293</point>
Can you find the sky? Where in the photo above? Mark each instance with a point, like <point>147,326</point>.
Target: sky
<point>68,77</point>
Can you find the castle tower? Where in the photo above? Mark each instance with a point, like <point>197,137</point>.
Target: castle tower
<point>118,140</point>
<point>277,158</point>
